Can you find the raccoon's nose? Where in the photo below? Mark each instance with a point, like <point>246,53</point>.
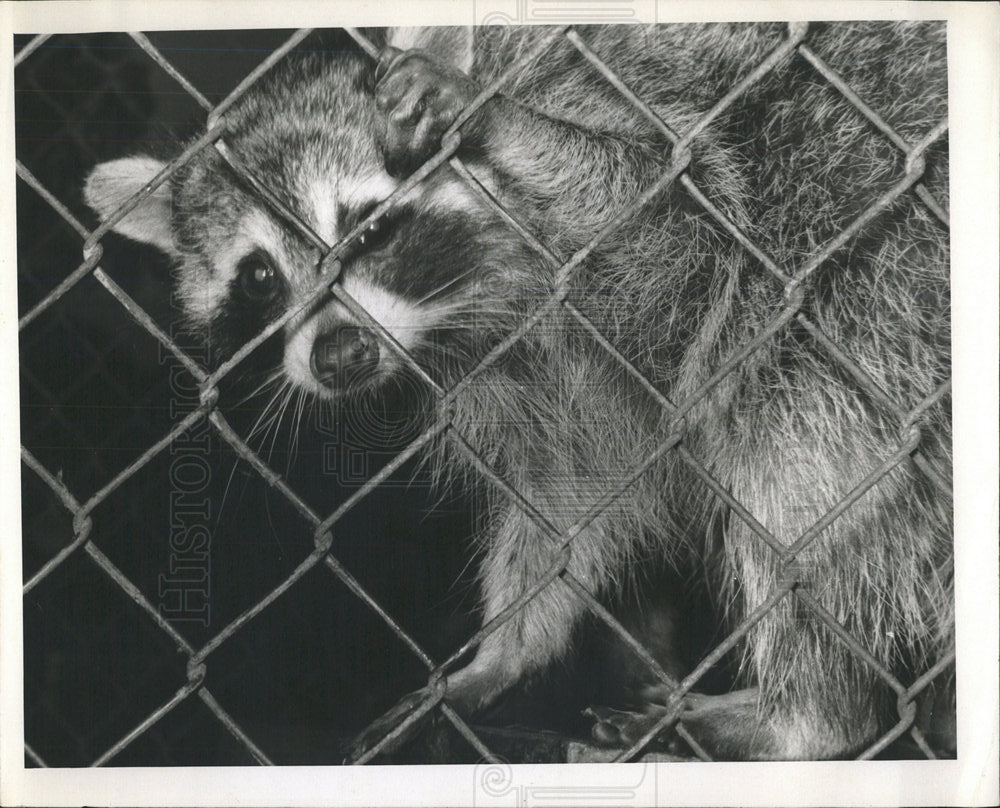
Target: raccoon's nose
<point>341,354</point>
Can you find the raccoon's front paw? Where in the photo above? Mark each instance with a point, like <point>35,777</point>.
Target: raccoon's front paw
<point>420,98</point>
<point>387,723</point>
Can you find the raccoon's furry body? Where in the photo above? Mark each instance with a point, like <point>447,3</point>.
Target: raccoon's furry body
<point>787,433</point>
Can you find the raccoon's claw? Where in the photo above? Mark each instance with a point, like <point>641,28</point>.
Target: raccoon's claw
<point>420,98</point>
<point>386,723</point>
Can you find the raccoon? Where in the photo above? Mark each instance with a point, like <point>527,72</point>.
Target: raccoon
<point>547,427</point>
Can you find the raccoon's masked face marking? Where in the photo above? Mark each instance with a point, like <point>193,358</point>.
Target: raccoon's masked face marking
<point>240,267</point>
<point>404,270</point>
<point>407,270</point>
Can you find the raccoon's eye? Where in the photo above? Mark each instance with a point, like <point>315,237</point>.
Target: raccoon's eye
<point>258,278</point>
<point>376,235</point>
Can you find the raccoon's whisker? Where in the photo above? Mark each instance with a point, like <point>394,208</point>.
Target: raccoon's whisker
<point>266,411</point>
<point>270,425</point>
<point>225,493</point>
<point>300,411</point>
<point>268,378</point>
<point>310,415</point>
<point>309,410</point>
<point>273,413</point>
<point>272,378</point>
<point>282,409</point>
<point>292,433</point>
<point>293,438</point>
<point>276,377</point>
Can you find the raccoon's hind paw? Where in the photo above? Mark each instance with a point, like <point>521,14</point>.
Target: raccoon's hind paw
<point>727,726</point>
<point>721,724</point>
<point>389,722</point>
<point>420,98</point>
<point>622,728</point>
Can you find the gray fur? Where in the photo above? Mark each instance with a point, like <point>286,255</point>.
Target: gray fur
<point>787,433</point>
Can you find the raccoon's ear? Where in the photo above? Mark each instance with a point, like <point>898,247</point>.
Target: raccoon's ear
<point>451,44</point>
<point>111,184</point>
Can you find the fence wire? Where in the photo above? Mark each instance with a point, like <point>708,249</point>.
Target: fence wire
<point>790,286</point>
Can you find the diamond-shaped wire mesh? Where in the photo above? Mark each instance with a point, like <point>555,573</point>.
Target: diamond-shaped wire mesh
<point>128,441</point>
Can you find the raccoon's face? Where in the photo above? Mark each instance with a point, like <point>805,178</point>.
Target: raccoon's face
<point>241,267</point>
<point>310,135</point>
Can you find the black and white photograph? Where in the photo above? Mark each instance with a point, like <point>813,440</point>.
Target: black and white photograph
<point>524,384</point>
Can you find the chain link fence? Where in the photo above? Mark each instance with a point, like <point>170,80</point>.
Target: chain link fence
<point>101,510</point>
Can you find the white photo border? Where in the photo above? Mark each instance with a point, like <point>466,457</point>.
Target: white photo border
<point>972,779</point>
